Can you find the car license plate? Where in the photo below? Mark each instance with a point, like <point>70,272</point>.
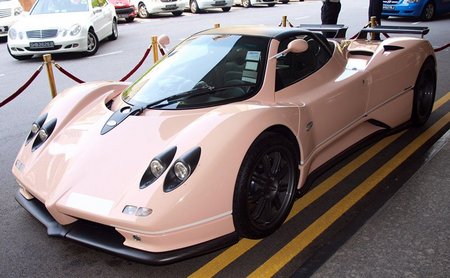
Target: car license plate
<point>171,7</point>
<point>220,3</point>
<point>388,7</point>
<point>3,29</point>
<point>41,45</point>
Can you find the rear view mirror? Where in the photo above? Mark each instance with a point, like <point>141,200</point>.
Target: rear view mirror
<point>295,46</point>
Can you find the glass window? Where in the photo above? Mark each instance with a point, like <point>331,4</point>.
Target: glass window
<point>294,67</point>
<point>224,67</point>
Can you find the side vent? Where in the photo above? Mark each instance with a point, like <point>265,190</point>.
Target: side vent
<point>392,47</point>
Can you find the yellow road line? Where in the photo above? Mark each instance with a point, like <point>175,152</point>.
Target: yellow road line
<point>284,255</point>
<point>232,253</point>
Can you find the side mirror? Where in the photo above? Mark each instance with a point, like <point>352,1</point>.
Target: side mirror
<point>295,46</point>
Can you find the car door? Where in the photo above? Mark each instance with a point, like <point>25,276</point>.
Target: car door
<point>101,18</point>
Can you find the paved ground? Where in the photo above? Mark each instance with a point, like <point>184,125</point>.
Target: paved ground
<point>410,235</point>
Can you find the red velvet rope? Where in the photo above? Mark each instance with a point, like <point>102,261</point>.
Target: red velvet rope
<point>138,65</point>
<point>24,86</point>
<point>76,79</point>
<point>442,47</point>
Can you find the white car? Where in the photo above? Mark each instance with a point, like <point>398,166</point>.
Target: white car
<point>149,7</point>
<point>197,6</point>
<point>61,26</point>
<point>249,3</point>
<point>10,12</point>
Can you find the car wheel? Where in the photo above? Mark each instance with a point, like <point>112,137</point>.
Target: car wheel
<point>20,58</point>
<point>130,19</point>
<point>285,2</point>
<point>265,187</point>
<point>142,11</point>
<point>424,93</point>
<point>177,13</point>
<point>271,5</point>
<point>226,9</point>
<point>246,3</point>
<point>92,43</point>
<point>428,11</point>
<point>194,7</point>
<point>114,33</point>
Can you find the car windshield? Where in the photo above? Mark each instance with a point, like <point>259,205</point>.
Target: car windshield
<point>204,70</point>
<point>59,6</point>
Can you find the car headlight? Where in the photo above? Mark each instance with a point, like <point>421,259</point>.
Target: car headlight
<point>12,34</point>
<point>182,169</point>
<point>413,1</point>
<point>18,11</point>
<point>75,30</point>
<point>157,167</point>
<point>36,126</point>
<point>44,133</point>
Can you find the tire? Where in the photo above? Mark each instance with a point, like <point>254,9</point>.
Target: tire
<point>271,5</point>
<point>194,7</point>
<point>142,11</point>
<point>129,19</point>
<point>265,187</point>
<point>92,43</point>
<point>20,58</point>
<point>177,13</point>
<point>424,93</point>
<point>115,32</point>
<point>246,3</point>
<point>428,11</point>
<point>226,9</point>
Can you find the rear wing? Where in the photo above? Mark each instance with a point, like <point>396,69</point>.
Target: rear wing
<point>340,30</point>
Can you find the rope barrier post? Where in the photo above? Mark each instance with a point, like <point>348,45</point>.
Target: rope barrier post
<point>51,76</point>
<point>373,23</point>
<point>217,25</point>
<point>283,21</point>
<point>155,48</point>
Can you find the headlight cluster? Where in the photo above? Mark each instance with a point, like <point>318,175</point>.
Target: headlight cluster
<point>41,129</point>
<point>180,171</point>
<point>14,34</point>
<point>73,31</point>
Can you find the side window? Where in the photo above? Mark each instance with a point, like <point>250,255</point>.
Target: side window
<point>294,67</point>
<point>98,3</point>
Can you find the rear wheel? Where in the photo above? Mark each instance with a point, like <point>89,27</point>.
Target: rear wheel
<point>246,3</point>
<point>424,93</point>
<point>428,11</point>
<point>142,11</point>
<point>114,32</point>
<point>194,7</point>
<point>92,43</point>
<point>265,186</point>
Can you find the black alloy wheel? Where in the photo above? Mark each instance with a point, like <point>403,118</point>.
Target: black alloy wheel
<point>424,93</point>
<point>265,187</point>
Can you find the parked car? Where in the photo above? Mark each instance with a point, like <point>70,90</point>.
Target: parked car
<point>61,26</point>
<point>124,9</point>
<point>10,12</point>
<point>249,3</point>
<point>149,7</point>
<point>424,9</point>
<point>214,141</point>
<point>197,6</point>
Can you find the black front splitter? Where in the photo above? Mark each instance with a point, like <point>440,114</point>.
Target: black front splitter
<point>108,239</point>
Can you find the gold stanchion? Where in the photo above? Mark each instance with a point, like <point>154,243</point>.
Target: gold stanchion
<point>373,23</point>
<point>155,48</point>
<point>283,21</point>
<point>217,25</point>
<point>51,76</point>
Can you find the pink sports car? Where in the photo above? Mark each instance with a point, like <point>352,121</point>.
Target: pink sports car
<point>214,141</point>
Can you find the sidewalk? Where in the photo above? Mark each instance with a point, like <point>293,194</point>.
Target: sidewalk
<point>410,235</point>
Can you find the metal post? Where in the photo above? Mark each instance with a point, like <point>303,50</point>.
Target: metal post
<point>155,48</point>
<point>51,76</point>
<point>217,25</point>
<point>283,20</point>
<point>373,23</point>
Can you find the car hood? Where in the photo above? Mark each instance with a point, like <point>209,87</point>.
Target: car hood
<point>51,21</point>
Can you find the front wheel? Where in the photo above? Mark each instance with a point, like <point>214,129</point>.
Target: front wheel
<point>424,93</point>
<point>177,13</point>
<point>114,32</point>
<point>271,5</point>
<point>194,7</point>
<point>265,187</point>
<point>226,9</point>
<point>142,11</point>
<point>92,43</point>
<point>246,3</point>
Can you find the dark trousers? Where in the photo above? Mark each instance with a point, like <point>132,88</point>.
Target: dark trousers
<point>329,15</point>
<point>375,9</point>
